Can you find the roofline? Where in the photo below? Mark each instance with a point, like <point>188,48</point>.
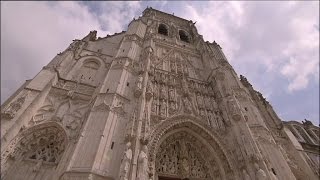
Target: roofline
<point>151,8</point>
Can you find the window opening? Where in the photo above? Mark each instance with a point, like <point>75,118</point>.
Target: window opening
<point>183,36</point>
<point>162,29</point>
<point>112,145</point>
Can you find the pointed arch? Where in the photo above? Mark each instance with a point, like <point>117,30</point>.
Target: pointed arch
<point>195,128</point>
<point>38,146</point>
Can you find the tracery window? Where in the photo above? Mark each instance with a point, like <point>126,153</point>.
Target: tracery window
<point>46,149</point>
<point>163,29</point>
<point>184,36</point>
<point>36,150</point>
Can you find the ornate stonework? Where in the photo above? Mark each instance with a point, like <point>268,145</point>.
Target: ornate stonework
<point>157,103</point>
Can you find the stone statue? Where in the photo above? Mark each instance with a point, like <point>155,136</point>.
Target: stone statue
<point>200,101</point>
<point>260,174</point>
<point>126,161</point>
<point>163,94</point>
<point>187,105</point>
<point>171,94</point>
<point>163,108</point>
<point>149,88</point>
<point>143,164</point>
<point>172,66</point>
<point>139,82</point>
<point>184,161</point>
<point>214,103</point>
<point>172,107</point>
<point>154,107</point>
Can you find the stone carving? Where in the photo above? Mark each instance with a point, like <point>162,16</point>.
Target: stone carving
<point>178,157</point>
<point>163,108</point>
<point>163,93</point>
<point>43,142</point>
<point>200,101</point>
<point>126,161</point>
<point>260,174</point>
<point>119,107</point>
<point>184,160</point>
<point>138,88</point>
<point>172,66</point>
<point>65,110</point>
<point>184,85</point>
<point>171,94</point>
<point>172,108</point>
<point>187,105</point>
<point>149,91</point>
<point>207,103</point>
<point>13,108</point>
<point>154,106</point>
<point>234,109</point>
<point>156,90</point>
<point>143,172</point>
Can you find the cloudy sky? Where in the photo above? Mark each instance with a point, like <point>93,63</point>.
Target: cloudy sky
<point>274,44</point>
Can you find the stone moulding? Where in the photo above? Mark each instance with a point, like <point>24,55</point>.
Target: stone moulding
<point>191,123</point>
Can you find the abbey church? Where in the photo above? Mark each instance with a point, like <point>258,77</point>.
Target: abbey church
<point>154,102</point>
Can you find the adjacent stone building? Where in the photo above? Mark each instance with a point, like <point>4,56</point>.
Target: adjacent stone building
<point>305,138</point>
<point>155,102</point>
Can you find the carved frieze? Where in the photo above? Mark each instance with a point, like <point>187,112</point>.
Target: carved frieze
<point>10,111</point>
<point>64,109</point>
<point>178,156</point>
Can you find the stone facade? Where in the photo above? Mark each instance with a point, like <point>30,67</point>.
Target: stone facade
<point>150,103</point>
<point>305,137</point>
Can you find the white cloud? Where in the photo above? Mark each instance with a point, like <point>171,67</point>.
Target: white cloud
<point>116,14</point>
<point>277,36</point>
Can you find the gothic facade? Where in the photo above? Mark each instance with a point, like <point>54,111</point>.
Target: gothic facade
<point>154,102</point>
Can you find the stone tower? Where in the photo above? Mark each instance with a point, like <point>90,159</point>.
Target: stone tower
<point>154,102</point>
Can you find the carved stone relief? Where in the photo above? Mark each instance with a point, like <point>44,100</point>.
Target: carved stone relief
<point>179,157</point>
<point>14,107</point>
<point>65,110</point>
<point>126,163</point>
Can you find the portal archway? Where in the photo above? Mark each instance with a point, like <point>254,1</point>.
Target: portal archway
<point>201,145</point>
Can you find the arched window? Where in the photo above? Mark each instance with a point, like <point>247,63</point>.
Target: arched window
<point>184,36</point>
<point>162,29</point>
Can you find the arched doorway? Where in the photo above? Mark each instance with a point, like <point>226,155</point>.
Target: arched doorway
<point>183,148</point>
<point>181,156</point>
<point>34,153</point>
